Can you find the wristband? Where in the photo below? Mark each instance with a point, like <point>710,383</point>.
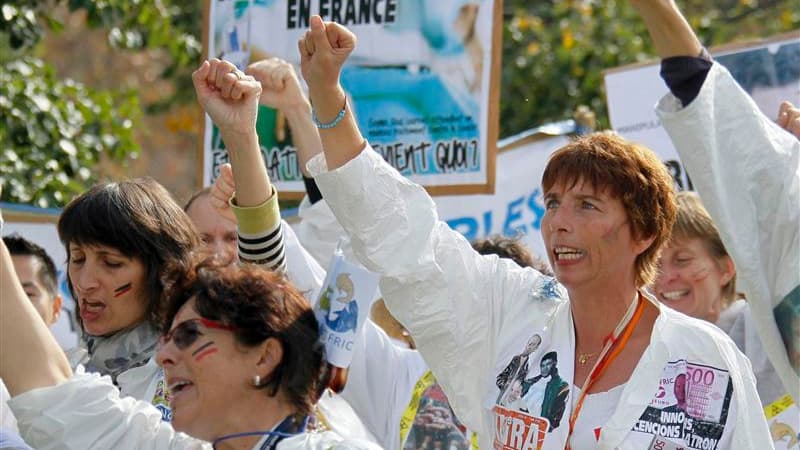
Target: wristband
<point>334,122</point>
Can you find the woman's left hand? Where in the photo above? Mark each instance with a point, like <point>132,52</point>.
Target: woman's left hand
<point>228,96</point>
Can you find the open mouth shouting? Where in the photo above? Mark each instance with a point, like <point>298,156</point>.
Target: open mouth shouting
<point>565,255</point>
<point>91,310</point>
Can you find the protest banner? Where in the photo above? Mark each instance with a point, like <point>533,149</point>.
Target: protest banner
<point>423,83</point>
<point>39,226</point>
<point>517,206</point>
<point>769,71</point>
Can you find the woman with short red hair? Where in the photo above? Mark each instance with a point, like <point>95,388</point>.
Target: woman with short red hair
<point>604,373</point>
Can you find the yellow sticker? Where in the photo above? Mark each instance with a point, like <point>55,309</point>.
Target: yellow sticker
<point>778,406</point>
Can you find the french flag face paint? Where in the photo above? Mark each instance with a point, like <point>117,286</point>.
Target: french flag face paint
<point>122,290</point>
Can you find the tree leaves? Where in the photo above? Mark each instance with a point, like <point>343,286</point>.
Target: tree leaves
<point>54,131</point>
<point>554,51</point>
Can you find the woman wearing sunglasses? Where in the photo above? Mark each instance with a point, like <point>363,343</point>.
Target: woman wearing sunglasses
<point>240,355</point>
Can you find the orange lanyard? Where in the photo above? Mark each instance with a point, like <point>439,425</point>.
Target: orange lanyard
<point>614,344</point>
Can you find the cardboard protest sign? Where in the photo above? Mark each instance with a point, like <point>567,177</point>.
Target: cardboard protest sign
<point>422,82</point>
<point>769,71</point>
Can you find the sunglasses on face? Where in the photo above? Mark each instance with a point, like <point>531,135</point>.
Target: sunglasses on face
<point>186,333</point>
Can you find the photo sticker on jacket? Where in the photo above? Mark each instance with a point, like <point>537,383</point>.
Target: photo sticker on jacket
<point>690,407</point>
<point>542,395</point>
<point>515,430</point>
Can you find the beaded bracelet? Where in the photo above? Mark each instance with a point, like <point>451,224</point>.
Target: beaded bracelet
<point>332,123</point>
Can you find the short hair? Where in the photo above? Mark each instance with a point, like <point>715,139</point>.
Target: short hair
<point>138,218</point>
<point>201,193</point>
<point>630,172</point>
<point>48,276</point>
<point>260,304</point>
<point>693,221</point>
<point>550,356</point>
<point>513,249</point>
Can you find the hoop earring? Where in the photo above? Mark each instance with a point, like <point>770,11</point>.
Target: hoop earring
<point>256,380</point>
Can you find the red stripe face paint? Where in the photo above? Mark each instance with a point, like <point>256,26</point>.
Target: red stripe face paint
<point>202,347</point>
<point>122,289</point>
<point>205,353</point>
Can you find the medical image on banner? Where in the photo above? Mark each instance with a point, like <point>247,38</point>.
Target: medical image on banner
<point>417,83</point>
<point>689,410</point>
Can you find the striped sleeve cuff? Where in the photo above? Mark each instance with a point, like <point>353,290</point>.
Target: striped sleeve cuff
<point>260,234</point>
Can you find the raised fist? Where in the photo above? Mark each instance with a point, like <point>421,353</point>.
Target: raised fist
<point>228,96</point>
<point>323,51</point>
<point>280,88</point>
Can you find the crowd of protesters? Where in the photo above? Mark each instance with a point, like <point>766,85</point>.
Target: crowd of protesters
<point>649,328</point>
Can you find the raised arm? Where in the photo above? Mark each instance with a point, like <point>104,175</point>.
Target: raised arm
<point>323,51</point>
<point>452,300</point>
<point>231,100</point>
<point>746,169</point>
<point>669,30</point>
<point>281,90</point>
<point>789,118</point>
<point>30,357</point>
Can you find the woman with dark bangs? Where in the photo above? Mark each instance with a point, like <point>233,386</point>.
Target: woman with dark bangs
<point>608,368</point>
<point>119,238</point>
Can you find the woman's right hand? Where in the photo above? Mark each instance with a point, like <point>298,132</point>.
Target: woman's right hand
<point>323,51</point>
<point>228,96</point>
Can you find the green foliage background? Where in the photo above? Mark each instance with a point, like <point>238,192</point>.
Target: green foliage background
<point>53,131</point>
<point>554,52</point>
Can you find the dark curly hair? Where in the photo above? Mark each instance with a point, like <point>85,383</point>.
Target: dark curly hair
<point>137,217</point>
<point>260,304</point>
<point>630,172</point>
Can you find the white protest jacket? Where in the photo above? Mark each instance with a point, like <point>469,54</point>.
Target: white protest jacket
<point>388,386</point>
<point>747,171</point>
<point>87,412</point>
<point>471,317</point>
<point>307,276</point>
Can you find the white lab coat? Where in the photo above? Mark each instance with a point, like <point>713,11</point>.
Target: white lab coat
<point>382,378</point>
<point>87,412</point>
<point>469,314</point>
<point>747,172</point>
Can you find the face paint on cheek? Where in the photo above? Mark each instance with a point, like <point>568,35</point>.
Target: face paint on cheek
<point>612,235</point>
<point>700,273</point>
<point>204,350</point>
<point>122,289</point>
